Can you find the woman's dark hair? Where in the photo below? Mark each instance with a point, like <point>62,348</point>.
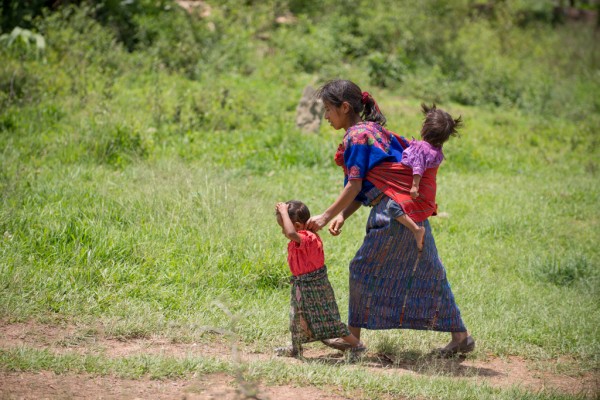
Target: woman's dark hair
<point>298,211</point>
<point>438,125</point>
<point>337,91</point>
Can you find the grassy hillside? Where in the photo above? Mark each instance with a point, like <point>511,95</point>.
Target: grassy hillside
<point>138,184</point>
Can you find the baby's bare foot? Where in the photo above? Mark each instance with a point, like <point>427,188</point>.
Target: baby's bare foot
<point>420,237</point>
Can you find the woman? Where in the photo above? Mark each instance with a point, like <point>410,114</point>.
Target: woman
<point>392,283</point>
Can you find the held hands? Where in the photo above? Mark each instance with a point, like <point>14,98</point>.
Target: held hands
<point>319,221</point>
<point>316,223</point>
<point>414,192</point>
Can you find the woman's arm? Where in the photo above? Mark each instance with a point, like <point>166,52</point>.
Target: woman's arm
<point>344,200</point>
<point>348,211</point>
<point>335,228</point>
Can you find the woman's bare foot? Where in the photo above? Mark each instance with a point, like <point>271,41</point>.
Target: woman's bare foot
<point>420,237</point>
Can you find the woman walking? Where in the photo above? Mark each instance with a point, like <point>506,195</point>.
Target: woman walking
<point>393,285</point>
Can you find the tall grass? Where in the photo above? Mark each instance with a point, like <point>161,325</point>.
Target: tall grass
<point>136,193</point>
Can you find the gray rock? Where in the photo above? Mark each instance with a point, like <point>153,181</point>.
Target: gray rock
<point>309,111</point>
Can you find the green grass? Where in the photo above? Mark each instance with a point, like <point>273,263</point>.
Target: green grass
<point>136,197</point>
<point>148,246</point>
<point>351,378</point>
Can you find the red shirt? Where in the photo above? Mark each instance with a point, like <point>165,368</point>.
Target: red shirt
<point>306,256</point>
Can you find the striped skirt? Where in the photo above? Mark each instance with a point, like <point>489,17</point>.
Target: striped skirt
<point>390,289</point>
<point>314,313</point>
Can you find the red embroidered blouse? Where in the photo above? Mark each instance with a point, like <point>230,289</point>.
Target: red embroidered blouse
<point>306,256</point>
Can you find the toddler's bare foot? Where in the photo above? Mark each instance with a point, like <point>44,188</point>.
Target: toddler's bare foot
<point>420,237</point>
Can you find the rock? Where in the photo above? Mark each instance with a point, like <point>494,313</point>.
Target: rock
<point>309,111</point>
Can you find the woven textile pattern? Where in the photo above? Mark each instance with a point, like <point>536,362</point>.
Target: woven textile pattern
<point>390,289</point>
<point>314,314</point>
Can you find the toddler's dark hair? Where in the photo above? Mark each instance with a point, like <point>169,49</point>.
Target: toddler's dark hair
<point>339,90</point>
<point>298,211</point>
<point>438,125</point>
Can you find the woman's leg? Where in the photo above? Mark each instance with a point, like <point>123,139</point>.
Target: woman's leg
<point>458,337</point>
<point>355,331</point>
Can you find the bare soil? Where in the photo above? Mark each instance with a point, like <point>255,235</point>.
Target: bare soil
<point>495,371</point>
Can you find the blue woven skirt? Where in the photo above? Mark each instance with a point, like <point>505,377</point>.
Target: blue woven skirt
<point>390,289</point>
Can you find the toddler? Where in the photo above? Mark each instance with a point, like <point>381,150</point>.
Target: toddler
<point>314,313</point>
<point>422,154</point>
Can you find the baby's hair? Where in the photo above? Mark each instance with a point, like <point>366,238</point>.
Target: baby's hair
<point>337,91</point>
<point>298,211</point>
<point>438,125</point>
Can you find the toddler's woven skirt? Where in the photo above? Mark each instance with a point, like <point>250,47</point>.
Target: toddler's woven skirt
<point>314,314</point>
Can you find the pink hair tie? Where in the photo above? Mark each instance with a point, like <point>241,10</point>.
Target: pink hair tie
<point>365,97</point>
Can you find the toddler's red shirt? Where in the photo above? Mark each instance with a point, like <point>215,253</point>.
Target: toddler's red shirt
<point>306,256</point>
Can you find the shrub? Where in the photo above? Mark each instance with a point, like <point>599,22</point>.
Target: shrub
<point>385,71</point>
<point>564,272</point>
<point>121,145</point>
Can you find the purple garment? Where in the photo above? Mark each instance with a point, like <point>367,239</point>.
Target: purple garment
<point>420,155</point>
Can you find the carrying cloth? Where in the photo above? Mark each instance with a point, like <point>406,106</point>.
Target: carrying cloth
<point>372,153</point>
<point>314,313</point>
<point>395,181</point>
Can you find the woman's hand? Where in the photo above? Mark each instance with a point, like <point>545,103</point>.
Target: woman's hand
<point>316,223</point>
<point>335,227</point>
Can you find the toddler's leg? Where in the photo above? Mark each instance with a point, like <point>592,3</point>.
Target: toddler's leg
<point>294,350</point>
<point>395,211</point>
<point>417,231</point>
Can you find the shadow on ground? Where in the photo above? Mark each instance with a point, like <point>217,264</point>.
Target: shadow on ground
<point>415,361</point>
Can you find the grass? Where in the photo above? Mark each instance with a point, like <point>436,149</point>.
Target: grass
<point>144,200</point>
<point>350,378</point>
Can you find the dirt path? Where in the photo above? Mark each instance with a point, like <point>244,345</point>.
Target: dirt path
<point>498,372</point>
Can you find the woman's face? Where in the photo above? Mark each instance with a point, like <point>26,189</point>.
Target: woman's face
<point>335,115</point>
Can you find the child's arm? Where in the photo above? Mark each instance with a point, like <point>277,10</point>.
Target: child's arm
<point>414,190</point>
<point>288,226</point>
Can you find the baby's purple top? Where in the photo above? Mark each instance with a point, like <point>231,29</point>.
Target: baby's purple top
<point>420,155</point>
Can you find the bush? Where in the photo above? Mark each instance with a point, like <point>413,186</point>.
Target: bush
<point>315,51</point>
<point>385,71</point>
<point>564,272</point>
<point>120,146</point>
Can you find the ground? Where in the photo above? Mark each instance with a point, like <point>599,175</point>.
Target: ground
<point>65,338</point>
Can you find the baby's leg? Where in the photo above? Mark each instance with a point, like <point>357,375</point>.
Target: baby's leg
<point>395,211</point>
<point>417,231</point>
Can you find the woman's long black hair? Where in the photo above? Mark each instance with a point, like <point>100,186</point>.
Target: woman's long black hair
<point>337,91</point>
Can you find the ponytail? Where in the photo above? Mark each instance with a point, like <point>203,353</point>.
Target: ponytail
<point>371,111</point>
<point>338,91</point>
<point>438,125</point>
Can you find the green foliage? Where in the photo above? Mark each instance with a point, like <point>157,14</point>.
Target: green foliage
<point>385,71</point>
<point>22,41</point>
<point>138,179</point>
<point>567,272</point>
<point>308,55</point>
<point>20,13</point>
<point>120,146</point>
